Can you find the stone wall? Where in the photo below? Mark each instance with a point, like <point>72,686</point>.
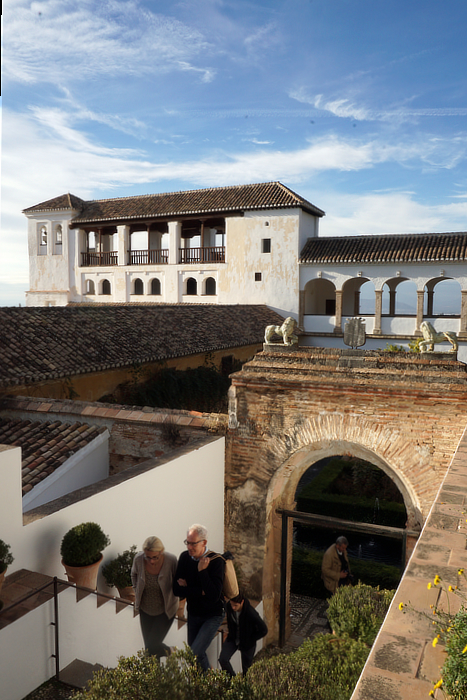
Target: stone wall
<point>291,407</point>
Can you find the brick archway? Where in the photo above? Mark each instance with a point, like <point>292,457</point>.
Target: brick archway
<point>291,407</point>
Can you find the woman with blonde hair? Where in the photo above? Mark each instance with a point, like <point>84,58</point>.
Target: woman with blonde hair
<point>152,575</point>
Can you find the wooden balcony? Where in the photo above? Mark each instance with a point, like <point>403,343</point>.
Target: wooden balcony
<point>149,257</point>
<point>99,259</point>
<point>209,254</point>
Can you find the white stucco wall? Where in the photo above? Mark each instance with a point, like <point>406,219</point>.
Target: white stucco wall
<point>87,466</point>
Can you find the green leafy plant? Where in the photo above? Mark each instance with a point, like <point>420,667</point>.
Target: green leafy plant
<point>358,611</point>
<point>414,344</point>
<point>6,557</point>
<point>451,630</point>
<point>117,572</point>
<point>83,544</point>
<point>393,348</point>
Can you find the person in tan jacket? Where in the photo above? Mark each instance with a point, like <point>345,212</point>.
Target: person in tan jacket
<point>335,569</point>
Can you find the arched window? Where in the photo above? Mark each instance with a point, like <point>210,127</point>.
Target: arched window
<point>210,288</point>
<point>90,287</point>
<point>352,299</point>
<point>155,287</point>
<point>106,288</point>
<point>399,297</point>
<point>138,287</point>
<point>320,298</point>
<point>442,297</point>
<point>58,234</point>
<point>191,286</point>
<point>43,240</point>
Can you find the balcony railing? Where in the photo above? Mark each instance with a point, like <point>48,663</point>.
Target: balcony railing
<point>99,259</point>
<point>149,257</point>
<point>202,255</point>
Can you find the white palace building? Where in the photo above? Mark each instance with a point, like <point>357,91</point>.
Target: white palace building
<point>247,244</point>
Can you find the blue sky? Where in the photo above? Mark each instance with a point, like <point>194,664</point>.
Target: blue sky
<point>358,105</point>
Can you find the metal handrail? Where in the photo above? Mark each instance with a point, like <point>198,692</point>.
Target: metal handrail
<point>55,583</point>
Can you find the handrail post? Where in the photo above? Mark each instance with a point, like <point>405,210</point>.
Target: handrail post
<point>55,623</point>
<point>283,578</point>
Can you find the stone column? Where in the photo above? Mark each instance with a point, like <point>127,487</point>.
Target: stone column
<point>338,322</point>
<point>463,322</point>
<point>420,300</point>
<point>301,309</point>
<point>392,302</point>
<point>356,303</point>
<point>123,244</point>
<point>378,311</point>
<point>429,306</point>
<point>175,230</point>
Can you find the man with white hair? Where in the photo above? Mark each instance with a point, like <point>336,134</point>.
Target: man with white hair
<point>199,579</point>
<point>335,569</point>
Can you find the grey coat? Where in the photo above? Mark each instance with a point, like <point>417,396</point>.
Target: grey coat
<point>166,576</point>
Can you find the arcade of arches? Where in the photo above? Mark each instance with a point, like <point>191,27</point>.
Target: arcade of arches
<point>397,296</point>
<point>291,407</point>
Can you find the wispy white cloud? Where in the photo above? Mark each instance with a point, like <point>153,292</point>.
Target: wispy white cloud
<point>59,41</point>
<point>345,108</point>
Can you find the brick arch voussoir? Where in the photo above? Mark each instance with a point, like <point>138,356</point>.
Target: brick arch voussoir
<point>396,453</point>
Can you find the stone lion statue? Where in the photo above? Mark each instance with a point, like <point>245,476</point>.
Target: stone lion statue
<point>431,337</point>
<point>286,332</point>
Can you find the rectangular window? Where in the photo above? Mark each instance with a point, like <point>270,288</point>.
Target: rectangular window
<point>257,276</point>
<point>266,245</point>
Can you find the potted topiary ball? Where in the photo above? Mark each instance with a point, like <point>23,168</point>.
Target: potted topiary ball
<point>81,551</point>
<point>117,572</point>
<point>6,558</point>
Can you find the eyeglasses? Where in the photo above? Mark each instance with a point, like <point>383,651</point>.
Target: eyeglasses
<point>191,544</point>
<point>152,558</point>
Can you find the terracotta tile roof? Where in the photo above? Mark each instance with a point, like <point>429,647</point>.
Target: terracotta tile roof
<point>64,202</point>
<point>214,200</point>
<point>45,446</point>
<point>41,343</point>
<point>409,247</point>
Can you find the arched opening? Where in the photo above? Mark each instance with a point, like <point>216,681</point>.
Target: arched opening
<point>155,287</point>
<point>138,287</point>
<point>355,490</point>
<point>320,297</point>
<point>210,287</point>
<point>90,288</point>
<point>191,287</point>
<point>352,296</point>
<point>399,297</point>
<point>442,297</point>
<point>106,288</point>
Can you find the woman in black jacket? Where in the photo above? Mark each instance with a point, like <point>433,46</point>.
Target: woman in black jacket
<point>245,628</point>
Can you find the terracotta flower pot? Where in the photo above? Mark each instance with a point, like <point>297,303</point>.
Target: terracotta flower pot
<point>84,575</point>
<point>127,593</point>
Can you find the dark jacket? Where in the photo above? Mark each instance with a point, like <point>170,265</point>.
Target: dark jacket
<point>203,591</point>
<point>252,626</point>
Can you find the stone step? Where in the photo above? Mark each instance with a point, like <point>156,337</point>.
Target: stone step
<point>78,673</point>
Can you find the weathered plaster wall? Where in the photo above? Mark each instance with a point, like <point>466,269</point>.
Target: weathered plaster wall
<point>94,385</point>
<point>292,407</point>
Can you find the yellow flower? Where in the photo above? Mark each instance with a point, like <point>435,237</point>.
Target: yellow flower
<point>451,589</point>
<point>434,643</point>
<point>460,572</point>
<point>464,649</point>
<point>401,606</point>
<point>429,586</point>
<point>438,684</point>
<point>437,580</point>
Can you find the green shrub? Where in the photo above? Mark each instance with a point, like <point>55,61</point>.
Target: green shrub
<point>358,611</point>
<point>83,544</point>
<point>455,667</point>
<point>117,572</point>
<point>393,348</point>
<point>323,668</point>
<point>6,557</point>
<point>145,678</point>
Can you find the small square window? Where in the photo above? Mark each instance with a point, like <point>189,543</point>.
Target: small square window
<point>257,276</point>
<point>266,245</point>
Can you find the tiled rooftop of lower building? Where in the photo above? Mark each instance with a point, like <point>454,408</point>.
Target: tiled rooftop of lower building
<point>45,445</point>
